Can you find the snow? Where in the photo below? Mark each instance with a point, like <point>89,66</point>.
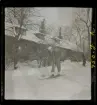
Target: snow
<point>7,25</point>
<point>30,36</point>
<point>24,83</point>
<point>63,43</point>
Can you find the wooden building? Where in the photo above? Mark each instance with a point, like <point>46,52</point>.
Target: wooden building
<point>32,46</point>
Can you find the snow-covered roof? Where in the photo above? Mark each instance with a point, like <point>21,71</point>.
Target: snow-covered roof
<point>63,44</point>
<point>39,33</point>
<point>31,37</point>
<point>67,44</point>
<point>9,33</point>
<point>49,39</point>
<point>9,25</point>
<point>29,34</point>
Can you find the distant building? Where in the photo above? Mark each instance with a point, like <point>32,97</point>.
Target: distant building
<point>33,47</point>
<point>28,42</point>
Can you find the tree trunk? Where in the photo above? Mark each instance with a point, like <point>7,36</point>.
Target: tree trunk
<point>84,58</point>
<point>15,56</point>
<point>89,50</point>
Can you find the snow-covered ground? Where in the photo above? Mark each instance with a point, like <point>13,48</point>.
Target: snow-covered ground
<point>25,82</point>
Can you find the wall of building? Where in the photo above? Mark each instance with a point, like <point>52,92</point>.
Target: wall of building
<point>33,51</point>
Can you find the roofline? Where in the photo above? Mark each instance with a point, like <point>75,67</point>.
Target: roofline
<point>13,25</point>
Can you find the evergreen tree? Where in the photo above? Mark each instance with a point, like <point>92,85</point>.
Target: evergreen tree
<point>60,36</point>
<point>42,27</point>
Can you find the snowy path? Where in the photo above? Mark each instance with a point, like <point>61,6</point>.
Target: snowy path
<point>25,84</point>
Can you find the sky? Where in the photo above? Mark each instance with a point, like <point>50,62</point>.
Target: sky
<point>59,16</point>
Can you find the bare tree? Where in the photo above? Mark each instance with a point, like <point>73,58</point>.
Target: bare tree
<point>84,16</point>
<point>79,32</point>
<point>81,29</point>
<point>49,29</point>
<point>20,17</point>
<point>66,32</point>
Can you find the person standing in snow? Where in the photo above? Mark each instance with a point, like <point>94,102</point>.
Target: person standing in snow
<point>55,55</point>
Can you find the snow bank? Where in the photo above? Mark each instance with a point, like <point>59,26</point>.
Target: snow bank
<point>75,82</point>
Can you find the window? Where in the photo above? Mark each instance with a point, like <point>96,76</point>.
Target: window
<point>17,30</point>
<point>25,45</point>
<point>23,31</point>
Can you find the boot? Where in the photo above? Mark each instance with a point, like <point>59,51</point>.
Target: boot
<point>52,74</point>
